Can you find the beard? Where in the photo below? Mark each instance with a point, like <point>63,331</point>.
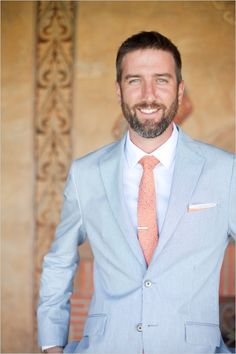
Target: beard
<point>148,128</point>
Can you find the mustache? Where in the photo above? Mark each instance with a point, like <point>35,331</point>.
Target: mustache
<point>150,105</point>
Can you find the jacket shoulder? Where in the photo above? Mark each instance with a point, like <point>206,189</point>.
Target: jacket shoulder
<point>92,158</point>
<point>208,151</point>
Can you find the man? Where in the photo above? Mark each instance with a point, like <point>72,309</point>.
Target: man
<point>157,209</point>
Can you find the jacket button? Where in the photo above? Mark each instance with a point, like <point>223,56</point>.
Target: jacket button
<point>139,327</point>
<point>148,283</point>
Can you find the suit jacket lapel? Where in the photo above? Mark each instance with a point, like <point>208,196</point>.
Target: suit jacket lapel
<point>111,168</point>
<point>188,167</point>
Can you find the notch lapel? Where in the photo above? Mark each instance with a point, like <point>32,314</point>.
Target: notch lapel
<point>188,167</point>
<point>111,169</point>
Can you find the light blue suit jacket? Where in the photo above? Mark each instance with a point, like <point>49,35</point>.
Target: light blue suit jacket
<point>177,311</point>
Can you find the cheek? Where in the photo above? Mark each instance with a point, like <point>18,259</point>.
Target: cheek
<point>168,96</point>
<point>132,96</point>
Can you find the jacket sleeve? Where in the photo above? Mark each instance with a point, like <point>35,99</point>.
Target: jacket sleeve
<point>59,268</point>
<point>232,203</point>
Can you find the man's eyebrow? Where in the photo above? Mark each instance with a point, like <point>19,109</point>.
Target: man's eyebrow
<point>164,74</point>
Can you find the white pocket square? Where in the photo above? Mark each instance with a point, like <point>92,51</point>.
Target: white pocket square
<point>202,206</point>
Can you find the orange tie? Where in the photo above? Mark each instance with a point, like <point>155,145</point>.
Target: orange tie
<point>147,216</point>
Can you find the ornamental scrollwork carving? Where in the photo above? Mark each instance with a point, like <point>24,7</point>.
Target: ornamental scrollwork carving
<point>53,118</point>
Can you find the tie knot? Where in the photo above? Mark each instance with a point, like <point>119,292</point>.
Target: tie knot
<point>149,162</point>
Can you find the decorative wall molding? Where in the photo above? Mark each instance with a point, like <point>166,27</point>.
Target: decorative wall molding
<point>53,118</point>
<point>227,10</point>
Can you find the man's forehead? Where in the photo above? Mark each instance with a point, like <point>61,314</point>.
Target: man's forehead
<point>148,58</point>
<point>148,52</point>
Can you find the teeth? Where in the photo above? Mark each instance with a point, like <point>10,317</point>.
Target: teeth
<point>148,110</point>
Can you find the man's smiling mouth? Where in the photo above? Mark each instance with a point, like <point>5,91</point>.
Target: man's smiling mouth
<point>148,110</point>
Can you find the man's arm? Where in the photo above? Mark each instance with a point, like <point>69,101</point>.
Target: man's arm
<point>59,268</point>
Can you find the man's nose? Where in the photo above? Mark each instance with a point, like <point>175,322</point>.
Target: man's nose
<point>149,91</point>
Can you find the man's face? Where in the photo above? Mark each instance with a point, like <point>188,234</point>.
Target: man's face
<point>148,91</point>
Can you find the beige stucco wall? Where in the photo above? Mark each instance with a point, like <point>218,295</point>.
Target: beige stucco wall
<point>17,176</point>
<point>204,35</point>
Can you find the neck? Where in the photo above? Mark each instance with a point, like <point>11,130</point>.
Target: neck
<point>149,145</point>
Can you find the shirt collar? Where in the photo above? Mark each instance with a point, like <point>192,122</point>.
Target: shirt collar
<point>165,153</point>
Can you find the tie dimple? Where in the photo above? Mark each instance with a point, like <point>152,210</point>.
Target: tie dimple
<point>147,216</point>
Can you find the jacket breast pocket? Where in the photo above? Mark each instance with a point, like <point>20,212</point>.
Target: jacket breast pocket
<point>202,333</point>
<point>95,325</point>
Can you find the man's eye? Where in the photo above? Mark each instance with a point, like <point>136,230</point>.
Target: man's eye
<point>162,81</point>
<point>134,81</point>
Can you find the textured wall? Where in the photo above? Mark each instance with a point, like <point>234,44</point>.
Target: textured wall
<point>18,176</point>
<point>204,32</point>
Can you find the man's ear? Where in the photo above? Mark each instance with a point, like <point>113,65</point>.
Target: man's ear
<point>181,92</point>
<point>118,91</point>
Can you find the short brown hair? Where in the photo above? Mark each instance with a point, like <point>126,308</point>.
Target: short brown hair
<point>148,40</point>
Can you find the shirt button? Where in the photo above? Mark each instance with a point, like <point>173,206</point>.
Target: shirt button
<point>148,283</point>
<point>139,327</point>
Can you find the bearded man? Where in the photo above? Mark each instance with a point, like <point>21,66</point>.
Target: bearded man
<point>157,208</point>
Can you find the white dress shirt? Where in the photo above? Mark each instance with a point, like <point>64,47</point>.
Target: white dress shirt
<point>163,174</point>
